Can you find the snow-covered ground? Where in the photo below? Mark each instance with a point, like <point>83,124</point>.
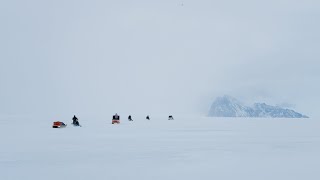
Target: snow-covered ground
<point>186,148</point>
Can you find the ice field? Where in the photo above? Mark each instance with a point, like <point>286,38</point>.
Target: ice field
<point>186,148</point>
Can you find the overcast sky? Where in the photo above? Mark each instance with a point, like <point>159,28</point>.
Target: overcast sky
<point>97,57</point>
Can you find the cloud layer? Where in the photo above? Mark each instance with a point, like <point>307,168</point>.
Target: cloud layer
<point>97,57</point>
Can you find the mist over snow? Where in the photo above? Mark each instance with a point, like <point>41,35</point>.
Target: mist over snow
<point>93,58</point>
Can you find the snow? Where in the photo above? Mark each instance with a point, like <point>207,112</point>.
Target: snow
<point>187,148</point>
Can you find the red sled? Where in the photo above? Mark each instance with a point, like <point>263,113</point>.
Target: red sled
<point>58,124</point>
<point>115,121</point>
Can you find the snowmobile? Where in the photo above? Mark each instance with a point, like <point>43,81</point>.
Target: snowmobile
<point>116,119</point>
<point>58,124</point>
<point>130,118</point>
<point>170,118</point>
<point>76,123</point>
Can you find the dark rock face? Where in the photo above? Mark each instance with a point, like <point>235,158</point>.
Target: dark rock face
<point>227,106</point>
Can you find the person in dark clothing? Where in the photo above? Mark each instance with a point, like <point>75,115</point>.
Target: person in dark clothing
<point>75,121</point>
<point>148,118</point>
<point>116,117</point>
<point>129,118</point>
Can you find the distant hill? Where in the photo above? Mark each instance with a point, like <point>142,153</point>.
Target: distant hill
<point>227,106</point>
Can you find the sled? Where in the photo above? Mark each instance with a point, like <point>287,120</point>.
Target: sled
<point>58,124</point>
<point>115,121</point>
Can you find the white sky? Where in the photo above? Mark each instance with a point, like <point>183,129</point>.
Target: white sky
<point>97,57</point>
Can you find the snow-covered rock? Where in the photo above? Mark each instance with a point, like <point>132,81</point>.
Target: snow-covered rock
<point>227,106</point>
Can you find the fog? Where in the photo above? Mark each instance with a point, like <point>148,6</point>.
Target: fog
<point>93,58</point>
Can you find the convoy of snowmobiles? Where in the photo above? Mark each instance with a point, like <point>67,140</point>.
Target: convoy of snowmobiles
<point>115,120</point>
